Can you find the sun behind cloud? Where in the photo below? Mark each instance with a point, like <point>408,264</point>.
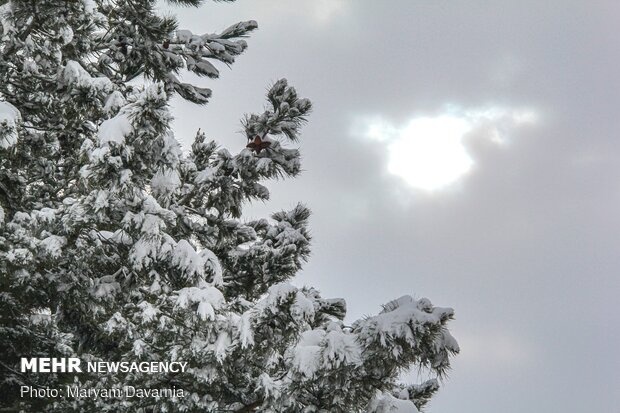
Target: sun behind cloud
<point>429,154</point>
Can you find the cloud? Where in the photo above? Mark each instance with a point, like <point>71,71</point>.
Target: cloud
<point>430,152</point>
<point>496,349</point>
<point>324,11</point>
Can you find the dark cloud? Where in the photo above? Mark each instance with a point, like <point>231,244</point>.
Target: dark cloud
<point>524,246</point>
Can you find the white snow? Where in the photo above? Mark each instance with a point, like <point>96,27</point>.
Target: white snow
<point>52,245</point>
<point>115,130</point>
<point>205,175</point>
<point>151,206</point>
<point>156,91</point>
<point>245,329</point>
<point>262,165</point>
<point>155,287</point>
<point>213,263</point>
<point>172,151</point>
<point>22,218</point>
<point>125,177</point>
<point>74,75</point>
<point>9,118</point>
<point>6,18</point>
<point>19,255</point>
<point>143,252</point>
<point>30,66</point>
<point>42,317</point>
<point>289,235</point>
<point>205,311</point>
<point>184,35</point>
<point>276,294</point>
<point>207,68</point>
<point>185,257</point>
<point>89,6</point>
<point>307,353</point>
<point>165,181</point>
<point>116,322</point>
<point>209,300</point>
<point>105,286</point>
<point>46,215</point>
<point>318,349</point>
<point>222,344</point>
<point>67,34</point>
<point>386,403</point>
<point>241,27</point>
<point>101,200</point>
<point>114,102</point>
<point>271,387</point>
<point>139,347</point>
<point>149,312</point>
<point>152,224</point>
<point>217,47</point>
<point>341,348</point>
<point>402,318</point>
<point>302,308</point>
<point>119,236</point>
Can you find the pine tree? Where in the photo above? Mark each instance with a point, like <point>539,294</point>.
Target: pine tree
<point>117,245</point>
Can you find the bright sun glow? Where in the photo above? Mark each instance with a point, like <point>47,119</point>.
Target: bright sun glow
<point>429,153</point>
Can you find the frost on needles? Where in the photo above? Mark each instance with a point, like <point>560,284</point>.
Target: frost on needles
<point>117,245</point>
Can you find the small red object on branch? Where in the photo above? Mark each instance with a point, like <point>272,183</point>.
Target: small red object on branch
<point>258,144</point>
<point>166,43</point>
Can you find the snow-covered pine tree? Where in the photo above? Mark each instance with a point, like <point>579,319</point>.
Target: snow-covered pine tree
<point>117,245</point>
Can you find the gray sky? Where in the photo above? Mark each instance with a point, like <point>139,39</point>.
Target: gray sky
<point>524,244</point>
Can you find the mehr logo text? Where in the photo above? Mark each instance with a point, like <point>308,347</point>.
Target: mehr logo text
<point>74,365</point>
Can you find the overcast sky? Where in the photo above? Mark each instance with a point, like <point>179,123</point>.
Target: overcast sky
<point>464,151</point>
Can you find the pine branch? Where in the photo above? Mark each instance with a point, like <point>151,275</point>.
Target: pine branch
<point>250,407</point>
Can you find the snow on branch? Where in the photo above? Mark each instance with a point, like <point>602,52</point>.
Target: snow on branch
<point>10,117</point>
<point>285,116</point>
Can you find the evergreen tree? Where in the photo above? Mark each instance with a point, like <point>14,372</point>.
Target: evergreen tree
<point>116,245</point>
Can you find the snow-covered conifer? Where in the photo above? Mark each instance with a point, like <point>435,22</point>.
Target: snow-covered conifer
<point>115,244</point>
